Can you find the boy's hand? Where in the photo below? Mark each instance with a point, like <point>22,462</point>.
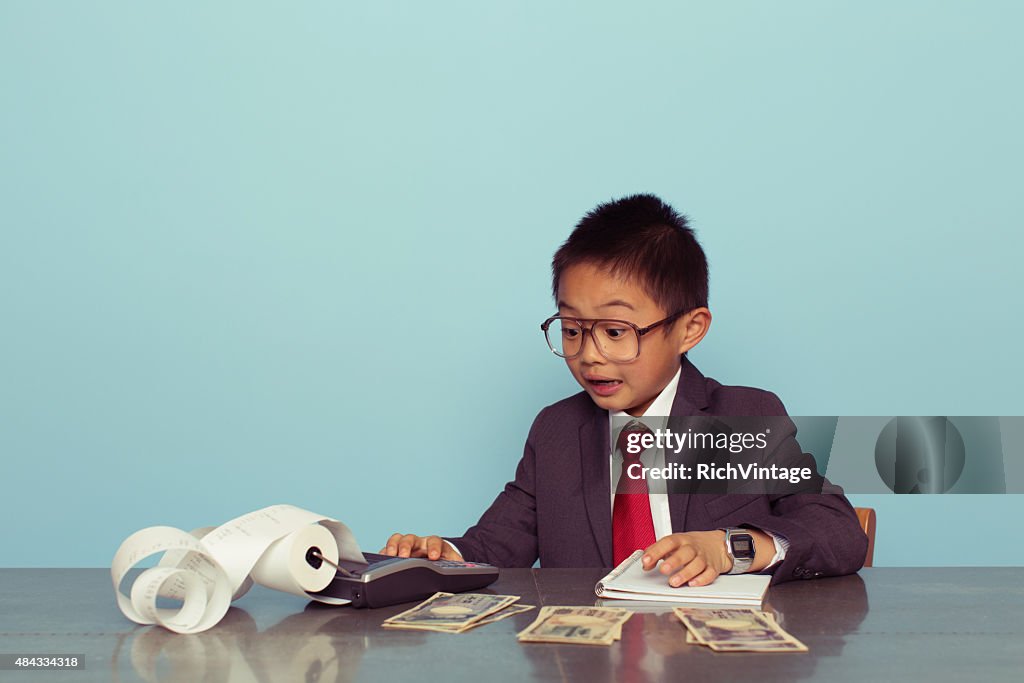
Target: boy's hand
<point>695,557</point>
<point>411,545</point>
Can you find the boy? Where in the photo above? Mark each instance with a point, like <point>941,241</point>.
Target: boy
<point>631,287</point>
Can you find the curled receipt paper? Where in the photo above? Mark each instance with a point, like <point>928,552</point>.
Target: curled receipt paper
<point>206,569</point>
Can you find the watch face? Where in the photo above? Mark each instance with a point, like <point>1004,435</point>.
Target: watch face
<point>742,546</point>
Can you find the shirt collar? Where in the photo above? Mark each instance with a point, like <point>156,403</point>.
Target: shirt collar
<point>662,405</point>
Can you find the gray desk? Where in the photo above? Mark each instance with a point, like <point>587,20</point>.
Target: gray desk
<point>885,624</point>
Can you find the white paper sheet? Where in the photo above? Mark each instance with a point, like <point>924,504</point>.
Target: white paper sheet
<point>209,568</point>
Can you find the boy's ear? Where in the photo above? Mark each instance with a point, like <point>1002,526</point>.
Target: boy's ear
<point>692,328</point>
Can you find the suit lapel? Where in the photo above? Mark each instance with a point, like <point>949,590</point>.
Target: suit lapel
<point>691,399</point>
<point>595,447</point>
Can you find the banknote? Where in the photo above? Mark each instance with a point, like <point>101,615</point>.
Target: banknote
<point>577,625</point>
<point>509,611</point>
<point>446,609</point>
<point>692,639</point>
<point>746,647</point>
<point>737,630</point>
<point>778,646</point>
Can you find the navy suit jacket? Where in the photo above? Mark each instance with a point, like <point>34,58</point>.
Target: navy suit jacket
<point>558,507</point>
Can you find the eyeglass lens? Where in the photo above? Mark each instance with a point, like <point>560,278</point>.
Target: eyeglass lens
<point>615,340</point>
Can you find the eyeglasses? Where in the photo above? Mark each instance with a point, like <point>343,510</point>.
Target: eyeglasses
<point>616,340</point>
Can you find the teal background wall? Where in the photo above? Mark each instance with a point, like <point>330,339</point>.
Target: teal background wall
<point>270,253</point>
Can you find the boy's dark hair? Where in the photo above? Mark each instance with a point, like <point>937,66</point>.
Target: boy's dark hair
<point>640,237</point>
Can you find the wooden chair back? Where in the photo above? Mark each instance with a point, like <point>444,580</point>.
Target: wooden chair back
<point>867,523</point>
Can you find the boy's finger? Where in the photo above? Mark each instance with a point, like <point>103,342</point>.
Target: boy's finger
<point>406,545</point>
<point>688,572</point>
<point>434,547</point>
<point>705,577</point>
<point>391,547</point>
<point>658,550</point>
<point>677,560</point>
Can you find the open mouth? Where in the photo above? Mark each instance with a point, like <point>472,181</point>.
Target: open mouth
<point>603,386</point>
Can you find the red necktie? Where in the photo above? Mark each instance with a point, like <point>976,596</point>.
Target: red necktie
<point>632,522</point>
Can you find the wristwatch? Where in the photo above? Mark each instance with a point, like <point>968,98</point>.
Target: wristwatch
<point>739,543</point>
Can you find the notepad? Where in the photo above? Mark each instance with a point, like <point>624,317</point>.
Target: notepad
<point>629,581</point>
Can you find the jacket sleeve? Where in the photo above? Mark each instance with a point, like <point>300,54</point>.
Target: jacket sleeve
<point>506,535</point>
<point>825,538</point>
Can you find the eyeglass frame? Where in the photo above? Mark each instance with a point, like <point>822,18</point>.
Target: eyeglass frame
<point>640,332</point>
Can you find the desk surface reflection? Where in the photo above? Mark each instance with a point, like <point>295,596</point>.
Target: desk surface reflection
<point>885,624</point>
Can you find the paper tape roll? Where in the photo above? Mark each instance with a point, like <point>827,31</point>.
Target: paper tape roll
<point>284,566</point>
<point>269,546</point>
<point>202,585</point>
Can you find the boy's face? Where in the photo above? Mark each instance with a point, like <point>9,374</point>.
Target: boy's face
<point>590,292</point>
